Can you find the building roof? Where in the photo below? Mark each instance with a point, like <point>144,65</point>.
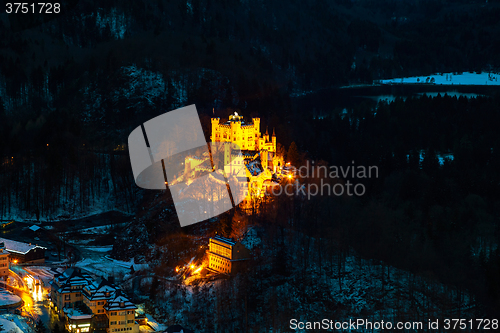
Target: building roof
<point>34,228</point>
<point>18,247</point>
<point>254,167</point>
<point>119,303</point>
<point>100,289</point>
<point>77,313</point>
<point>228,241</point>
<point>245,153</point>
<point>71,280</point>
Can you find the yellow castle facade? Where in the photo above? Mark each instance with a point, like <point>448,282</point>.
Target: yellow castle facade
<point>255,161</point>
<point>247,137</point>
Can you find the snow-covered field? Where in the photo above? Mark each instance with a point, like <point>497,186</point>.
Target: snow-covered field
<point>465,78</point>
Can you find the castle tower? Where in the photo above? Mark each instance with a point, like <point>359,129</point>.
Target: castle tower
<point>215,130</point>
<point>236,134</point>
<point>256,125</point>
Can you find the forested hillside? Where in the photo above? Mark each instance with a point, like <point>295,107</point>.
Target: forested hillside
<point>424,238</point>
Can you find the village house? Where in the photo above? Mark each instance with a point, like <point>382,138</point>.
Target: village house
<point>121,314</point>
<point>90,305</point>
<point>24,253</point>
<point>67,288</point>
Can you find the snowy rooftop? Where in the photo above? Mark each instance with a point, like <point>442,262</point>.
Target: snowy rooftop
<point>120,303</point>
<point>100,289</point>
<point>34,228</point>
<point>224,240</point>
<point>245,153</point>
<point>254,167</point>
<point>71,278</point>
<point>18,247</point>
<point>77,313</point>
<point>92,289</point>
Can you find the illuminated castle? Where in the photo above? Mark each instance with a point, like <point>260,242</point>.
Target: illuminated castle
<point>248,138</point>
<point>254,163</point>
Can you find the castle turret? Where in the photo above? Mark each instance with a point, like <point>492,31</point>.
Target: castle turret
<point>274,141</point>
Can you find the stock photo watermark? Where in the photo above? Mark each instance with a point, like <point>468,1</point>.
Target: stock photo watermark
<point>352,174</point>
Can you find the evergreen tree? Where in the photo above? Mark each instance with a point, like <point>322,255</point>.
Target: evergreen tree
<point>226,224</point>
<point>40,327</point>
<point>57,329</point>
<point>293,154</point>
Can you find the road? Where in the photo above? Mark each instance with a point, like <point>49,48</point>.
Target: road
<point>35,305</point>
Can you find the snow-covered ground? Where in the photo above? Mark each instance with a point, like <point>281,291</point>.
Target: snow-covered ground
<point>392,98</point>
<point>14,324</point>
<point>99,248</point>
<point>157,327</point>
<point>442,157</point>
<point>465,78</point>
<point>8,298</point>
<point>106,266</point>
<point>42,272</point>
<point>312,288</point>
<point>251,239</point>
